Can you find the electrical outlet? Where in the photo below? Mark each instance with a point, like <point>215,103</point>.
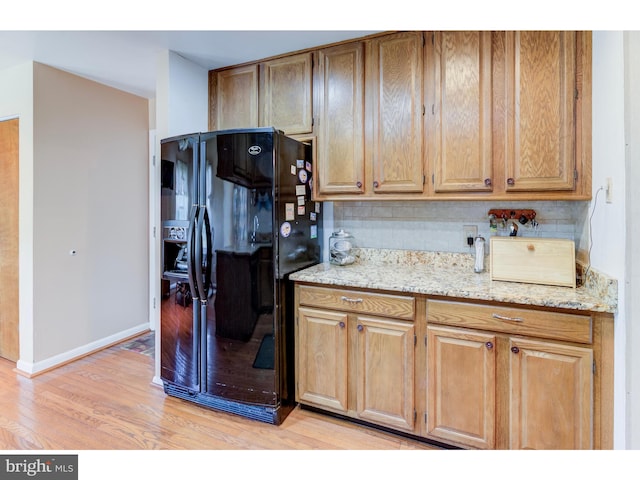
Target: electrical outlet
<point>609,190</point>
<point>469,231</point>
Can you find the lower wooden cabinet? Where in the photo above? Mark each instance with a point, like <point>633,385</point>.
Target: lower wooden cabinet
<point>384,372</point>
<point>547,390</point>
<point>321,364</point>
<point>471,375</point>
<point>356,364</point>
<point>461,380</point>
<point>551,395</point>
<point>491,386</point>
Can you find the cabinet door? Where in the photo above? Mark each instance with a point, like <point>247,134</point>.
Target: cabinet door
<point>461,111</point>
<point>234,98</point>
<point>394,79</point>
<point>461,382</point>
<point>541,86</point>
<point>385,368</point>
<point>551,396</point>
<point>339,83</point>
<point>286,94</point>
<point>322,358</point>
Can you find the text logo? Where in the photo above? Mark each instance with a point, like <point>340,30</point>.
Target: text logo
<point>51,467</point>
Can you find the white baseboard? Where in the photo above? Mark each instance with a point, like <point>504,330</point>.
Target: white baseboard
<point>34,368</point>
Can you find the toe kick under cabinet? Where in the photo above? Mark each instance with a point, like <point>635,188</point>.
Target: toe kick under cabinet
<point>466,373</point>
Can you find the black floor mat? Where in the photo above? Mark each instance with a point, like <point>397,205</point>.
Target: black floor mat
<point>266,353</point>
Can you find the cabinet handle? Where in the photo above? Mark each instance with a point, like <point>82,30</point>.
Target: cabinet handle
<point>489,345</point>
<point>508,319</point>
<point>515,349</point>
<point>511,181</point>
<point>487,182</point>
<point>351,300</point>
<point>360,328</point>
<point>359,184</point>
<point>341,324</point>
<point>375,184</point>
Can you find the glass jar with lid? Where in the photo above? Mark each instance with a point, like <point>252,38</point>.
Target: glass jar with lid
<point>341,245</point>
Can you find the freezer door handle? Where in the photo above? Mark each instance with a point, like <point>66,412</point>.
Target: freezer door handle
<point>198,256</point>
<point>191,248</point>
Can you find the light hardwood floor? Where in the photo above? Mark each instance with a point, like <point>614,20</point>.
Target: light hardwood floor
<point>106,401</point>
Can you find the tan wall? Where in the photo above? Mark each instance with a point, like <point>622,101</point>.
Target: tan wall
<point>90,195</point>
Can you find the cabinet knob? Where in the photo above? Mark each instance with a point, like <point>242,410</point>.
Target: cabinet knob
<point>487,182</point>
<point>359,184</point>
<point>360,328</point>
<point>489,345</point>
<point>515,349</point>
<point>341,324</point>
<point>375,184</point>
<point>511,181</point>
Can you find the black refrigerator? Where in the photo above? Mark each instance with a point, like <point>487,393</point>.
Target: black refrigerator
<point>237,219</point>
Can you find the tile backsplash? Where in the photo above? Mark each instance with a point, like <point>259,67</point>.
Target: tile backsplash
<point>438,225</point>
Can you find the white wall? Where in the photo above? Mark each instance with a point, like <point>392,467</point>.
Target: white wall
<point>182,96</point>
<point>609,225</point>
<point>632,137</point>
<point>16,101</point>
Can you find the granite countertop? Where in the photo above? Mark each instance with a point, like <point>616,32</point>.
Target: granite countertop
<point>452,275</point>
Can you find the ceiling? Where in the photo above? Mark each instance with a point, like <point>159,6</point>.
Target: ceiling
<point>127,59</point>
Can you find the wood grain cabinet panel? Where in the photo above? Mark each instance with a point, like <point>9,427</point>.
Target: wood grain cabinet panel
<point>460,117</point>
<point>541,99</point>
<point>339,87</point>
<point>461,401</point>
<point>9,241</point>
<point>385,377</point>
<point>395,82</point>
<point>234,98</point>
<point>286,94</point>
<point>322,359</point>
<point>551,396</point>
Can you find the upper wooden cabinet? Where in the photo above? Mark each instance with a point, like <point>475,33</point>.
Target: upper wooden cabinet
<point>369,109</point>
<point>339,95</point>
<point>234,98</point>
<point>459,128</point>
<point>541,94</point>
<point>275,93</point>
<point>285,90</point>
<point>460,115</point>
<point>542,114</point>
<point>395,95</point>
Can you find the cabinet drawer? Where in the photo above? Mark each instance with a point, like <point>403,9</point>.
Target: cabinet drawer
<point>395,306</point>
<point>516,321</point>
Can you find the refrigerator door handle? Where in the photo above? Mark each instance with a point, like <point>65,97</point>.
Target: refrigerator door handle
<point>201,189</point>
<point>191,247</point>
<point>202,295</point>
<point>201,251</point>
